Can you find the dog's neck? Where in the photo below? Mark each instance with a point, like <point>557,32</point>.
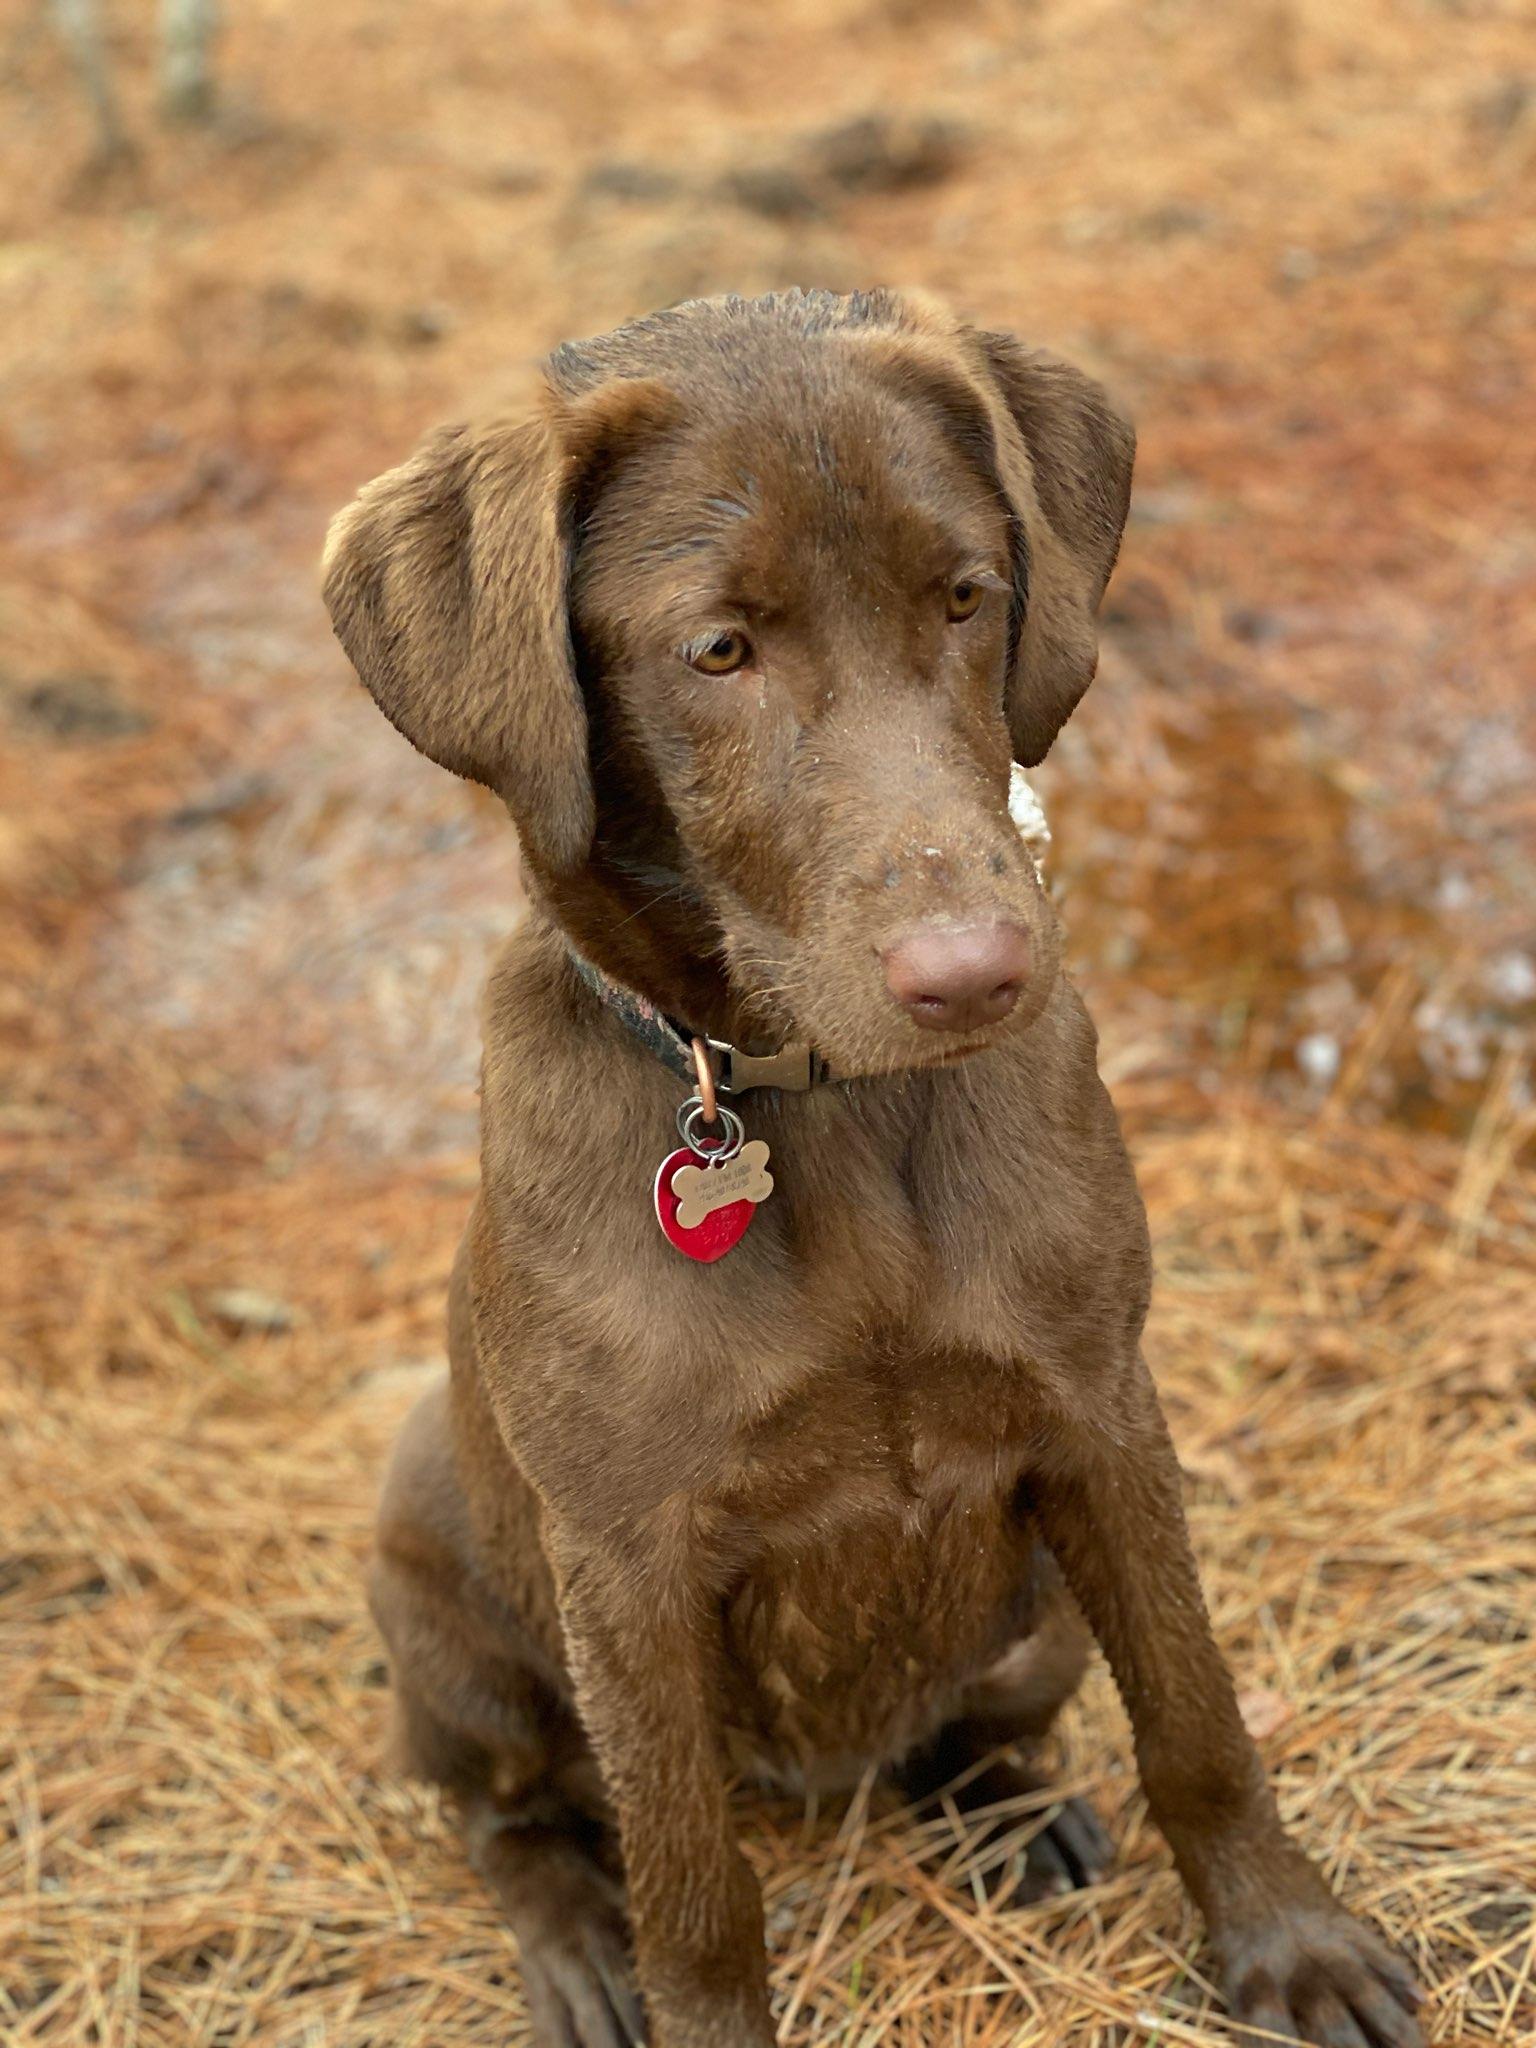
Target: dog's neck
<point>644,930</point>
<point>736,1070</point>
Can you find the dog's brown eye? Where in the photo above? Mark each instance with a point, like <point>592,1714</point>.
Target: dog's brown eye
<point>964,599</point>
<point>721,656</point>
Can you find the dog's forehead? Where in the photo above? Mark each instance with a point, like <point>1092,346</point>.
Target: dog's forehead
<point>812,469</point>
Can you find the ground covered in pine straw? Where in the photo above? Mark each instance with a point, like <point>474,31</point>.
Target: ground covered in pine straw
<point>204,1852</point>
<point>242,930</point>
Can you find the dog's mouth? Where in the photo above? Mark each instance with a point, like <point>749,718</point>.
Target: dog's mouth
<point>952,1055</point>
<point>947,1056</point>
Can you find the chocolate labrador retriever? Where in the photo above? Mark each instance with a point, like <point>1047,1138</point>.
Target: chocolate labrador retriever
<point>780,1465</point>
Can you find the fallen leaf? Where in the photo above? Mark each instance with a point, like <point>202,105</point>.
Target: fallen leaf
<point>1264,1712</point>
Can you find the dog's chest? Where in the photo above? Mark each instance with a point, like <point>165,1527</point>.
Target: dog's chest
<point>855,1631</point>
<point>861,1383</point>
<point>887,1429</point>
<point>877,1561</point>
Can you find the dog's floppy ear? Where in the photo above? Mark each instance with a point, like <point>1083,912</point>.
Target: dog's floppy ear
<point>447,582</point>
<point>1065,457</point>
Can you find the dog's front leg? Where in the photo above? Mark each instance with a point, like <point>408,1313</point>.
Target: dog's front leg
<point>1106,1496</point>
<point>644,1649</point>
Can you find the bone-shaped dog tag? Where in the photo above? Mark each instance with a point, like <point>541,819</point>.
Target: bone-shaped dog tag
<point>704,1209</point>
<point>700,1190</point>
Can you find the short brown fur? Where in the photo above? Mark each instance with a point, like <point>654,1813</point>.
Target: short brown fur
<point>823,1503</point>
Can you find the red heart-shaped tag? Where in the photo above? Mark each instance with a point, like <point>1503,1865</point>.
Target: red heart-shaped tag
<point>722,1228</point>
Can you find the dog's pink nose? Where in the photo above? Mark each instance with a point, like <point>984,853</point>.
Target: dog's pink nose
<point>958,977</point>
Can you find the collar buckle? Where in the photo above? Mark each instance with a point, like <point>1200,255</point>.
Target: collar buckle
<point>794,1067</point>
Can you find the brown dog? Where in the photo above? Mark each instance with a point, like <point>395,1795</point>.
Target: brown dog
<point>747,626</point>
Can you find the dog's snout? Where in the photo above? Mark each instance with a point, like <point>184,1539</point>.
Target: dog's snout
<point>958,977</point>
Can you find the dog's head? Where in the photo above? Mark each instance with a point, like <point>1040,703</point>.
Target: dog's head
<point>746,626</point>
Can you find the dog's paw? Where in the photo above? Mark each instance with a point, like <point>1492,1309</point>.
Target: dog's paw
<point>580,1985</point>
<point>568,1917</point>
<point>1018,1848</point>
<point>1070,1850</point>
<point>1314,1973</point>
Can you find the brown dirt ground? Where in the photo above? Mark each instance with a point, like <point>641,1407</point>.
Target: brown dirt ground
<point>243,927</point>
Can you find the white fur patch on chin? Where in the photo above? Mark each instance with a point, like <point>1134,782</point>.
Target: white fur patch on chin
<point>1028,815</point>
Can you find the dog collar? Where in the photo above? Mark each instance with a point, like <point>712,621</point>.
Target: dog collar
<point>795,1067</point>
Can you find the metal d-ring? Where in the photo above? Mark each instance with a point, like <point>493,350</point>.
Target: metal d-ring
<point>691,1114</point>
<point>703,1067</point>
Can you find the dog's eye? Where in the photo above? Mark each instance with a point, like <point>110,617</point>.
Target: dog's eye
<point>721,655</point>
<point>964,599</point>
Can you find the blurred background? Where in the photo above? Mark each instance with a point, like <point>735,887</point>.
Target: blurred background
<point>244,262</point>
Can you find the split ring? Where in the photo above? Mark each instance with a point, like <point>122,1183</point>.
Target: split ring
<point>716,1150</point>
